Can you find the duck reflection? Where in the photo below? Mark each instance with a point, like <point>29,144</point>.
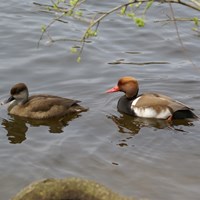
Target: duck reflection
<point>17,127</point>
<point>132,125</point>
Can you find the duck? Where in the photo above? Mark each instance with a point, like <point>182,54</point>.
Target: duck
<point>41,106</point>
<point>148,105</point>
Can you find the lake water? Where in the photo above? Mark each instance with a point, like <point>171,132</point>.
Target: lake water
<point>135,157</point>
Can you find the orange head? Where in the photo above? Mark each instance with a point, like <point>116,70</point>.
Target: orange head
<point>126,84</point>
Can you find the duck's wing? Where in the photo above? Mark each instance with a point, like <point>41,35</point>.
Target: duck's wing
<point>153,105</point>
<point>45,102</point>
<point>174,102</point>
<point>45,106</point>
<point>159,101</point>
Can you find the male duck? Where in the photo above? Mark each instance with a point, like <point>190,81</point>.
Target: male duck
<point>148,105</point>
<point>40,106</point>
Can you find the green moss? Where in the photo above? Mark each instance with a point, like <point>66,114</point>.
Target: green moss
<point>67,189</point>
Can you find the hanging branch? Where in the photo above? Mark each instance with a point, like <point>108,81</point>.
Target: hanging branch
<point>90,33</point>
<point>92,29</point>
<point>130,3</point>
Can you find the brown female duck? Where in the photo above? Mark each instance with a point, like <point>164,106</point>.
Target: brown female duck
<point>40,106</point>
<point>148,105</point>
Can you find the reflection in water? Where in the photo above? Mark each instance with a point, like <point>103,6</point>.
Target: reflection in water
<point>17,127</point>
<point>16,130</point>
<point>132,125</point>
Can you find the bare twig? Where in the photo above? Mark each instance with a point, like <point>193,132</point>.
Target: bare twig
<point>179,38</point>
<point>52,22</point>
<point>98,18</point>
<point>132,2</point>
<point>175,19</point>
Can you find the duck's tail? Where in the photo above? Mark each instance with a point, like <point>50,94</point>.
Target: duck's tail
<point>185,114</point>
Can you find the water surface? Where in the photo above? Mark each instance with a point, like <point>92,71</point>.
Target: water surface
<point>142,158</point>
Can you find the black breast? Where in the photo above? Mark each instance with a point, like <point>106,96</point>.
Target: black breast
<point>124,105</point>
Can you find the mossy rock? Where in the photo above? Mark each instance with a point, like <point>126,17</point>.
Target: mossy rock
<point>67,189</point>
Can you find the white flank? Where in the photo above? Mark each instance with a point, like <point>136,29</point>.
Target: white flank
<point>145,112</point>
<point>151,113</point>
<point>134,102</point>
<point>164,114</point>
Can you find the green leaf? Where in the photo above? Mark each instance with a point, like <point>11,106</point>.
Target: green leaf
<point>131,15</point>
<point>55,6</point>
<point>194,29</point>
<point>79,13</point>
<point>73,50</point>
<point>123,10</point>
<point>43,28</point>
<point>73,2</point>
<point>78,59</point>
<point>139,21</point>
<point>69,12</point>
<point>138,5</point>
<point>149,4</point>
<point>196,21</point>
<point>90,33</point>
<point>131,5</point>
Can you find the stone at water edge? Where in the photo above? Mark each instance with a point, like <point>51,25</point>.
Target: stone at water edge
<point>67,189</point>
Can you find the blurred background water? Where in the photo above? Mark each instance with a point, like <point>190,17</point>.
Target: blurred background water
<point>141,158</point>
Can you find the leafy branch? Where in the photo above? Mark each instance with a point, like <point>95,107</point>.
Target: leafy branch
<point>127,9</point>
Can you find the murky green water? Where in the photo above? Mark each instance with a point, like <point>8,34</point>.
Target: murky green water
<point>142,158</point>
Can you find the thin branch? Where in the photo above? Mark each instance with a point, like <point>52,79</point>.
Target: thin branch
<point>50,7</point>
<point>52,22</point>
<point>179,38</point>
<point>130,3</point>
<point>99,19</point>
<point>193,4</point>
<point>176,19</point>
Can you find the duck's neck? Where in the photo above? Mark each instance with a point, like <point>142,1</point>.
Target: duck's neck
<point>21,101</point>
<point>22,98</point>
<point>133,97</point>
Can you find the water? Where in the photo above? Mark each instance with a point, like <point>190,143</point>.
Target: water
<point>141,158</point>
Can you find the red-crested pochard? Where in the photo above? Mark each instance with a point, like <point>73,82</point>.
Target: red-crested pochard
<point>148,105</point>
<point>40,106</point>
